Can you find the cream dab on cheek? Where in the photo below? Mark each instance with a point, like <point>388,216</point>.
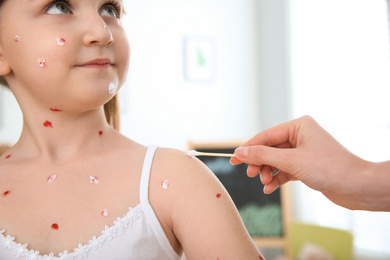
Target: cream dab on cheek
<point>111,88</point>
<point>41,62</point>
<point>61,41</point>
<point>17,39</point>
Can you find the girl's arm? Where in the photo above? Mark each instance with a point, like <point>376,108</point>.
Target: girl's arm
<point>198,210</point>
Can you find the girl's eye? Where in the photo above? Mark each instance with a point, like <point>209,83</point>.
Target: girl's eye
<point>58,7</point>
<point>110,11</point>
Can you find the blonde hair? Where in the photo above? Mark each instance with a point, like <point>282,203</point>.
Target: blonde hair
<point>111,110</point>
<point>4,148</point>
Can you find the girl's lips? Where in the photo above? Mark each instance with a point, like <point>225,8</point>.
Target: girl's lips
<point>97,63</point>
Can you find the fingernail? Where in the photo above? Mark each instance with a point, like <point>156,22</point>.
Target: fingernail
<point>242,152</point>
<point>271,191</point>
<point>275,172</point>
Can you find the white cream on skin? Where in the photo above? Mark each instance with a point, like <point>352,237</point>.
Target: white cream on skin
<point>165,184</point>
<point>41,62</point>
<point>111,88</point>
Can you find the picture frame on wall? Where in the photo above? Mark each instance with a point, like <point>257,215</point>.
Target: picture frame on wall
<point>200,59</point>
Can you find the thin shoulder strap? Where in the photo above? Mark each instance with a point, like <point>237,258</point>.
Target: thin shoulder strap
<point>150,216</point>
<point>145,176</point>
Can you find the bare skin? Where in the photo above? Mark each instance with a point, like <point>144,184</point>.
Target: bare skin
<point>65,134</point>
<point>304,151</point>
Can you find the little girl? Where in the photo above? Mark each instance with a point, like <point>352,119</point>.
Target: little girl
<point>72,187</point>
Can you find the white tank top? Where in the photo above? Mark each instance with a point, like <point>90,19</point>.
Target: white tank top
<point>138,235</point>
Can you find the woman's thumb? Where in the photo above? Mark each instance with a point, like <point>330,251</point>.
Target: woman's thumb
<point>262,155</point>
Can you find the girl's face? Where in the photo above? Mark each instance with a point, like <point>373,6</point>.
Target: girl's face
<point>70,54</point>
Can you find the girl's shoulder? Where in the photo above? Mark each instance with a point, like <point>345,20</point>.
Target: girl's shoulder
<point>177,165</point>
<point>178,186</point>
<point>178,180</point>
<point>194,208</point>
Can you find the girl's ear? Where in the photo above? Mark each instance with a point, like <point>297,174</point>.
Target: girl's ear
<point>5,69</point>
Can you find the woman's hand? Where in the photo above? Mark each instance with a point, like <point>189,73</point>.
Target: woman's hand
<point>304,151</point>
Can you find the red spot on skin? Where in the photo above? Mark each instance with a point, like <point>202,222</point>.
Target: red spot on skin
<point>8,156</point>
<point>6,193</point>
<point>100,133</point>
<point>51,178</point>
<point>93,179</point>
<point>54,226</point>
<point>219,195</point>
<point>61,41</point>
<point>105,213</point>
<point>41,62</point>
<point>55,109</point>
<point>260,257</point>
<point>48,124</point>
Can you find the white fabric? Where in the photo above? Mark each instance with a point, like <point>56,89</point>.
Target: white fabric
<point>138,235</point>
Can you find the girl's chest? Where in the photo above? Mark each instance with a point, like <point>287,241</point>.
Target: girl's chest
<point>54,211</point>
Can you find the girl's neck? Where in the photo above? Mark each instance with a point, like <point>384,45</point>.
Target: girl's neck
<point>58,136</point>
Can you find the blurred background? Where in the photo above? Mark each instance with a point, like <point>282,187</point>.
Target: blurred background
<point>222,70</point>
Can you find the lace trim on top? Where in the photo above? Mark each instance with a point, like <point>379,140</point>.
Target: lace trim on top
<point>109,233</point>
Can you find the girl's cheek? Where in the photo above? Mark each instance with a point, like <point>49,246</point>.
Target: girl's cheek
<point>41,61</point>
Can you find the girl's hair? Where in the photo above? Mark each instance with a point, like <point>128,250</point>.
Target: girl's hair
<point>111,108</point>
<point>4,148</point>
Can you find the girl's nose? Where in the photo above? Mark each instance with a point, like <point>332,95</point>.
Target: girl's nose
<point>96,32</point>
